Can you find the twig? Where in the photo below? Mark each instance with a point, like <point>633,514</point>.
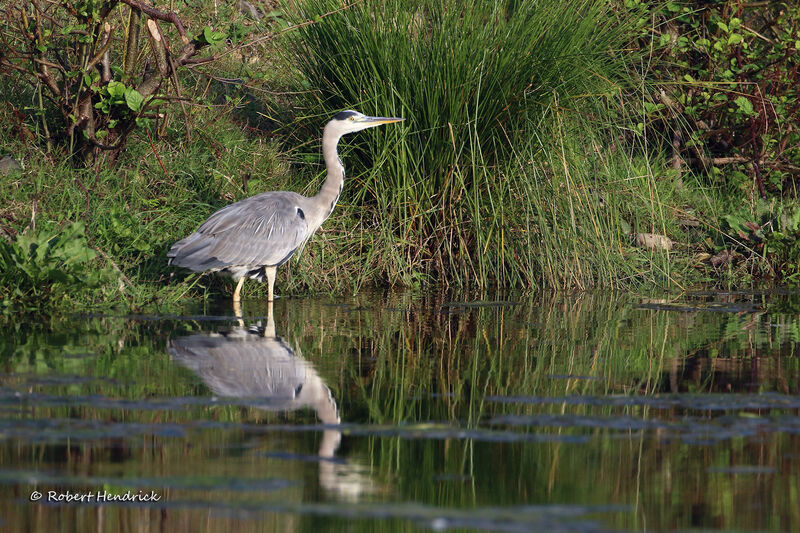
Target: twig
<point>47,63</point>
<point>103,54</point>
<point>83,188</point>
<point>177,85</point>
<point>44,120</point>
<point>194,61</point>
<point>153,146</point>
<point>44,73</point>
<point>122,275</point>
<point>103,146</point>
<point>34,209</point>
<point>728,160</point>
<point>754,32</point>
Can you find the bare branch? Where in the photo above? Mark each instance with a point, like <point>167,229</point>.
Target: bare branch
<point>159,48</point>
<point>149,86</point>
<point>103,54</point>
<point>170,17</point>
<point>106,45</point>
<point>44,72</point>
<point>290,28</point>
<point>47,63</point>
<point>132,42</point>
<point>177,85</point>
<point>718,161</point>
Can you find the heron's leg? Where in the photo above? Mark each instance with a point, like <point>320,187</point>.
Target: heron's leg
<point>270,271</point>
<point>236,298</point>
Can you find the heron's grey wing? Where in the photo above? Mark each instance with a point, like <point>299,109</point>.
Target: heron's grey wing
<point>261,230</point>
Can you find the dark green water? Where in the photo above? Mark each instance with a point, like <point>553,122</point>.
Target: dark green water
<point>561,414</point>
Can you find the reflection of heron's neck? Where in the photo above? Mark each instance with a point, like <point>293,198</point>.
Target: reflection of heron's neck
<point>328,414</point>
<point>237,312</point>
<point>330,442</point>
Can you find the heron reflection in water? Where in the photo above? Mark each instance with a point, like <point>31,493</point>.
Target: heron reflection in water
<point>255,363</point>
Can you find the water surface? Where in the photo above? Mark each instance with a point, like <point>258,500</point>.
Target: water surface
<point>399,413</point>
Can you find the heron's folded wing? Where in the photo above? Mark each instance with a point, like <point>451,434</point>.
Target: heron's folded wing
<point>261,230</point>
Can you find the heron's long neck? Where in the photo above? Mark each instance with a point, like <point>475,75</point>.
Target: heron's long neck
<point>329,193</point>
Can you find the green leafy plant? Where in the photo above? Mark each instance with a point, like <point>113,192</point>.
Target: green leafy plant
<point>41,268</point>
<point>728,91</point>
<point>771,232</point>
<point>120,232</point>
<point>211,37</point>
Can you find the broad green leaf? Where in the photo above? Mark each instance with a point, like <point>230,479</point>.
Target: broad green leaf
<point>133,99</point>
<point>116,89</point>
<point>212,37</point>
<point>745,105</point>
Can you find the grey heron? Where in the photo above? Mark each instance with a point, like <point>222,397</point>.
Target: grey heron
<point>253,237</point>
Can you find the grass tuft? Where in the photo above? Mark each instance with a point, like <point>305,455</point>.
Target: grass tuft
<point>497,176</point>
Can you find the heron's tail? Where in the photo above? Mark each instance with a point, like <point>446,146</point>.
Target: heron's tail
<point>193,253</point>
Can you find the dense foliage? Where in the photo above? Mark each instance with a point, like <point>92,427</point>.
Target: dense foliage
<point>730,91</point>
<point>102,85</point>
<point>727,99</point>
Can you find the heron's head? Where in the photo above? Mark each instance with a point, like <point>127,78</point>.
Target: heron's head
<point>351,121</point>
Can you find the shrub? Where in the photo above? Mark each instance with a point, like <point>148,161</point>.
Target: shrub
<point>102,84</point>
<point>728,85</point>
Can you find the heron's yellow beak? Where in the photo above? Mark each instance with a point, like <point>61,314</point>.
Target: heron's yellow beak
<point>377,121</point>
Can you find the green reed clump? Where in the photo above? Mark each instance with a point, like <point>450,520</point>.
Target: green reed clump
<point>463,191</point>
<point>579,204</point>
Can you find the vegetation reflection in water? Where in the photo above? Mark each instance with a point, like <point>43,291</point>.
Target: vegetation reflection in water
<point>571,413</point>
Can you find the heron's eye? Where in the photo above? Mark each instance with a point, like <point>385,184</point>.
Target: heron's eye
<point>352,119</point>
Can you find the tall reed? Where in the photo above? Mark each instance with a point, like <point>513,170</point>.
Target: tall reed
<point>478,186</point>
